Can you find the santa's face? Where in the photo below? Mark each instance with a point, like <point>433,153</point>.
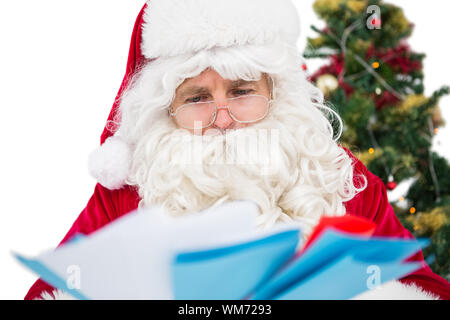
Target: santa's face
<point>208,101</point>
<point>282,157</point>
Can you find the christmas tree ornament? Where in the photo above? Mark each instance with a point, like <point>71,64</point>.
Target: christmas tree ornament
<point>437,118</point>
<point>327,83</point>
<point>391,185</point>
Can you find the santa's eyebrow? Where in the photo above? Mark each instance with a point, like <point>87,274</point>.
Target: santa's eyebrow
<point>241,82</point>
<point>190,91</point>
<point>195,90</point>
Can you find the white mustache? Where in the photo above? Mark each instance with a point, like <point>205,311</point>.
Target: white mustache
<point>255,147</point>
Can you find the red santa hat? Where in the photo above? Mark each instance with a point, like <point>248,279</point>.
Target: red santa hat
<point>166,28</point>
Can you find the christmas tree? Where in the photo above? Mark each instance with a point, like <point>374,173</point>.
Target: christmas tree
<point>374,80</point>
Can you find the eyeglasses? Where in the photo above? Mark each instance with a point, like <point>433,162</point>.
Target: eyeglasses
<point>243,109</point>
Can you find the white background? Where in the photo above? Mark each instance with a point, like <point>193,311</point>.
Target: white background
<point>61,65</point>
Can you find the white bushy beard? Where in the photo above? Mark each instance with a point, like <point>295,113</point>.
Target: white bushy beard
<point>298,174</point>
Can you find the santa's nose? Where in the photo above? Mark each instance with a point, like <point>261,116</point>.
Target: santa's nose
<point>223,119</point>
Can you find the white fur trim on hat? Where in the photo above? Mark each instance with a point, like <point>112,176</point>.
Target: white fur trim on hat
<point>396,290</point>
<point>174,27</point>
<point>109,163</point>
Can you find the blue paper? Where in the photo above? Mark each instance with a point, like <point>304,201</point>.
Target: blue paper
<point>49,276</point>
<point>331,246</point>
<point>231,272</point>
<point>131,257</point>
<point>346,278</point>
<point>76,238</point>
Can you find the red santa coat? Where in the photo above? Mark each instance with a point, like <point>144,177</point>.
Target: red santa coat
<point>106,205</point>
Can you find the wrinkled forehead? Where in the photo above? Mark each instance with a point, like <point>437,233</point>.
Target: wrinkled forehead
<point>210,80</point>
<point>210,76</point>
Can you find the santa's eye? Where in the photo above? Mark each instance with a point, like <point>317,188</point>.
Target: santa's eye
<point>197,99</point>
<point>242,92</point>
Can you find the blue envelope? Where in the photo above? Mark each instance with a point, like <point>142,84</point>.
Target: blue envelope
<point>322,261</point>
<point>345,278</point>
<point>231,272</point>
<point>50,277</point>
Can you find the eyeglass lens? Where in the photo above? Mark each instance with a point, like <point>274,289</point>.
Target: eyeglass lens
<point>244,109</point>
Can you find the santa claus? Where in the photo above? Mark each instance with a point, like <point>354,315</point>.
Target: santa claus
<point>215,107</point>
